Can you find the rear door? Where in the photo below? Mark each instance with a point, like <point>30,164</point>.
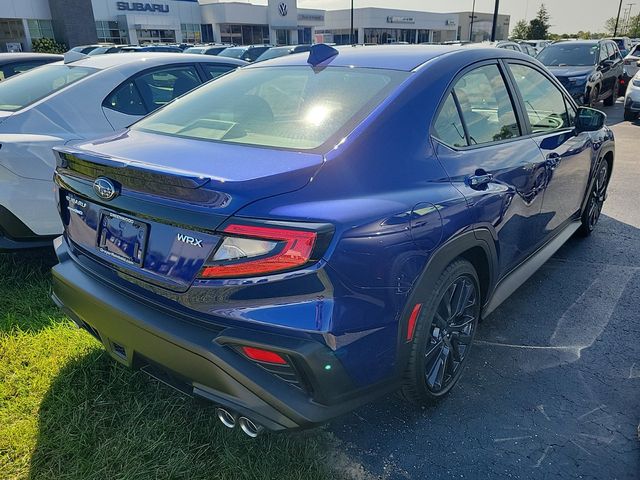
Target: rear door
<point>550,116</point>
<point>499,171</point>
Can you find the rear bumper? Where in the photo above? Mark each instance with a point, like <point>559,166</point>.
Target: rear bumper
<point>15,235</point>
<point>200,359</point>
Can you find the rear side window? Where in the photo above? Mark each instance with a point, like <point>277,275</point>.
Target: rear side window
<point>38,83</point>
<point>214,71</point>
<point>144,93</point>
<point>486,106</point>
<point>543,101</point>
<point>126,99</point>
<point>448,126</point>
<point>161,86</point>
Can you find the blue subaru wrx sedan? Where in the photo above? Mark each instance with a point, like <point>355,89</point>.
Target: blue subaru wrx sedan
<point>305,234</point>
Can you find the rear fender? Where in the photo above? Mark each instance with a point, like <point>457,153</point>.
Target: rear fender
<point>453,248</point>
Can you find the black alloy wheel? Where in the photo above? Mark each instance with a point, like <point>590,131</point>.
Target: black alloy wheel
<point>593,97</point>
<point>444,334</point>
<point>451,334</point>
<point>597,196</point>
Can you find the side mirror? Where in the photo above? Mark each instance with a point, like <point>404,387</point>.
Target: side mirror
<point>589,120</point>
<point>606,64</point>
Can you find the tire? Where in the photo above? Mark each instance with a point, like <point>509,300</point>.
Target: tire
<point>610,101</point>
<point>597,196</point>
<point>630,116</point>
<point>440,345</point>
<point>594,94</point>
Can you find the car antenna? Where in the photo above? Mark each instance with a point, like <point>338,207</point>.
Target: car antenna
<point>320,52</point>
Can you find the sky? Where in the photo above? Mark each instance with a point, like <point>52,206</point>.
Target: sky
<point>567,16</point>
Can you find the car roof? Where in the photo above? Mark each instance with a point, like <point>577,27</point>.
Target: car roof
<point>581,42</point>
<point>392,57</point>
<point>102,62</point>
<point>12,57</point>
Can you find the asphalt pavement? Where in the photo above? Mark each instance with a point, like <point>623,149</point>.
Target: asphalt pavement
<point>552,389</point>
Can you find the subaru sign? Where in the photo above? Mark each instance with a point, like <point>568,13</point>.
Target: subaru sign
<point>143,7</point>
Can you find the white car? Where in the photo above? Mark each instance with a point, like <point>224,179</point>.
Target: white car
<point>632,99</point>
<point>62,103</point>
<point>632,62</point>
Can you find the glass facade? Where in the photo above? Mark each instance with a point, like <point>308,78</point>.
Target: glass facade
<point>304,35</point>
<point>191,32</point>
<point>40,29</point>
<point>110,32</point>
<point>155,36</point>
<point>244,34</point>
<point>11,31</point>
<point>394,35</point>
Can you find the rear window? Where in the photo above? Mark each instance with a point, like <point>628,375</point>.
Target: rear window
<point>294,107</point>
<point>569,54</point>
<point>232,52</point>
<point>31,86</point>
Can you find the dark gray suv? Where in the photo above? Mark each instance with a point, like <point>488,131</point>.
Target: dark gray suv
<point>589,69</point>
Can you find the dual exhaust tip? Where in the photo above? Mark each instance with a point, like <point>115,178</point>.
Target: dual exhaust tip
<point>230,420</point>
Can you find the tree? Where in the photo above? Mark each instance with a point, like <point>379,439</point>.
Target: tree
<point>539,26</point>
<point>610,25</point>
<point>520,30</point>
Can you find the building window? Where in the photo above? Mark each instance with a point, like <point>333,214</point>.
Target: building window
<point>110,32</point>
<point>244,34</point>
<point>155,36</point>
<point>390,35</point>
<point>304,35</point>
<point>340,36</point>
<point>191,33</point>
<point>40,29</point>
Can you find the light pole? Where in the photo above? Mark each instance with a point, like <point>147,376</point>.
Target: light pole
<point>352,42</point>
<point>615,30</point>
<point>495,21</point>
<point>473,16</point>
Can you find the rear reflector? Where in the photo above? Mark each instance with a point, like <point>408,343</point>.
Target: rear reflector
<point>413,318</point>
<point>261,355</point>
<point>251,250</point>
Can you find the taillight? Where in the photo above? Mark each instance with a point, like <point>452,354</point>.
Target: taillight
<point>250,250</point>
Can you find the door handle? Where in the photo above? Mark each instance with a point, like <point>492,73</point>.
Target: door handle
<point>480,179</point>
<point>553,160</point>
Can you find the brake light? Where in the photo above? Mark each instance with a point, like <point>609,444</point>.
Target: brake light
<point>266,356</point>
<point>251,250</point>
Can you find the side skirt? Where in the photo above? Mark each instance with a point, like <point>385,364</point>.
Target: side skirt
<point>521,274</point>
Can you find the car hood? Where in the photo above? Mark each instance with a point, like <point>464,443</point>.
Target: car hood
<point>570,71</point>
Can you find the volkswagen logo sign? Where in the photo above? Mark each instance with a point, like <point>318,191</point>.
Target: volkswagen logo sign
<point>105,188</point>
<point>282,8</point>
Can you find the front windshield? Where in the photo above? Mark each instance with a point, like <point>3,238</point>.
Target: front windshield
<point>232,52</point>
<point>568,54</point>
<point>285,107</point>
<point>29,87</point>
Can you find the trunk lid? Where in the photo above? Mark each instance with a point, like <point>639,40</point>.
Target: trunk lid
<point>172,195</point>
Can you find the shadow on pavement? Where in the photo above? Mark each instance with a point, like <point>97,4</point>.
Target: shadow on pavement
<point>552,387</point>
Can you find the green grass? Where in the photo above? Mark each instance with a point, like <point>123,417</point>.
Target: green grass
<point>67,411</point>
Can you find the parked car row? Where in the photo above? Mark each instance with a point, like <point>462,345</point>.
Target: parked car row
<point>282,240</point>
<point>248,53</point>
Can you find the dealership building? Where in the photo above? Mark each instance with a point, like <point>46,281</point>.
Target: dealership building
<point>278,22</point>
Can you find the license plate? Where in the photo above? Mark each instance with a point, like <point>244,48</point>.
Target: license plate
<point>122,237</point>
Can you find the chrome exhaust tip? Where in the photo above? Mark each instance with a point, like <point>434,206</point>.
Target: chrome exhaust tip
<point>227,418</point>
<point>250,428</point>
